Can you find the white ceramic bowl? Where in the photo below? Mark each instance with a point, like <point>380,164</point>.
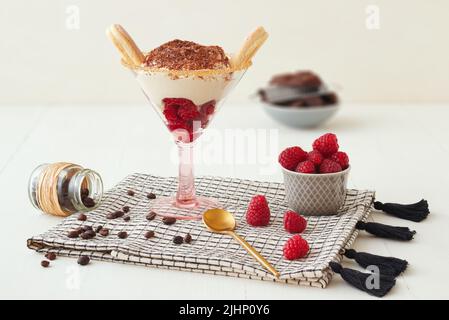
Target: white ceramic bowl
<point>301,117</point>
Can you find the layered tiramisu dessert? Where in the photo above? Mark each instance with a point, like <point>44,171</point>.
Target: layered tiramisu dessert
<point>186,81</point>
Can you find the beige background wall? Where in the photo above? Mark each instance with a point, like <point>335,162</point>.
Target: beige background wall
<point>407,59</point>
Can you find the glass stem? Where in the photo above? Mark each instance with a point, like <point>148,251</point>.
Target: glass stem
<point>185,198</point>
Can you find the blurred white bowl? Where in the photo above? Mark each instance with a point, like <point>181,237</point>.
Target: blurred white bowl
<point>301,117</point>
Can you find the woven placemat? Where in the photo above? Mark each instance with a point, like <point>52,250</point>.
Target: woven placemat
<point>208,252</point>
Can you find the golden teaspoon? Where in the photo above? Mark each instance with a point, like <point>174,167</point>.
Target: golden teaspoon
<point>221,221</point>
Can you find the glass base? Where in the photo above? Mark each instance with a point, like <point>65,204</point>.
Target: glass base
<point>183,210</point>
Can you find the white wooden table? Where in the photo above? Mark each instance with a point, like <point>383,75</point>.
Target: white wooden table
<point>401,151</point>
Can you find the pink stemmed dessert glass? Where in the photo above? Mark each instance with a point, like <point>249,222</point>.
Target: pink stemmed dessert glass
<point>186,102</point>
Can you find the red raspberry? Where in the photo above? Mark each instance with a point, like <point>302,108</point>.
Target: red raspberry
<point>293,222</point>
<point>326,144</point>
<point>176,102</point>
<point>188,112</point>
<point>329,166</point>
<point>208,108</point>
<point>258,212</point>
<point>290,157</point>
<point>295,248</point>
<point>305,167</point>
<point>171,113</point>
<point>316,157</point>
<point>341,158</point>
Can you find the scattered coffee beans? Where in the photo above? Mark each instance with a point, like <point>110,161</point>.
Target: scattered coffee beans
<point>131,193</point>
<point>151,196</point>
<point>178,240</point>
<point>82,217</point>
<point>104,232</point>
<point>122,235</point>
<point>45,263</point>
<point>125,209</point>
<point>151,216</point>
<point>149,234</point>
<point>89,234</point>
<point>168,220</point>
<point>83,260</point>
<point>98,229</point>
<point>127,218</point>
<point>73,234</point>
<point>115,215</point>
<point>50,256</point>
<point>188,238</point>
<point>86,228</point>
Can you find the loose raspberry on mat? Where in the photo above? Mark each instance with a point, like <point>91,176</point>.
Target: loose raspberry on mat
<point>294,222</point>
<point>295,248</point>
<point>258,212</point>
<point>330,166</point>
<point>327,144</point>
<point>316,157</point>
<point>290,157</point>
<point>341,158</point>
<point>306,167</point>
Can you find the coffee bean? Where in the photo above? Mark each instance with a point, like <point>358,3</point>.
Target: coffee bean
<point>127,218</point>
<point>88,202</point>
<point>111,216</point>
<point>125,209</point>
<point>73,234</point>
<point>168,220</point>
<point>98,229</point>
<point>79,230</point>
<point>188,238</point>
<point>115,215</point>
<point>151,196</point>
<point>83,260</point>
<point>84,193</point>
<point>45,263</point>
<point>130,193</point>
<point>119,213</point>
<point>178,240</point>
<point>104,232</point>
<point>151,216</point>
<point>50,256</point>
<point>122,235</point>
<point>149,234</point>
<point>82,217</point>
<point>86,228</point>
<point>89,234</point>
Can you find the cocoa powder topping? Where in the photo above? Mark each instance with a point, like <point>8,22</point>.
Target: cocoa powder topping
<point>187,55</point>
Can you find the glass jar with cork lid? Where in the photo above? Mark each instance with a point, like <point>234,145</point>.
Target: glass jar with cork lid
<point>63,188</point>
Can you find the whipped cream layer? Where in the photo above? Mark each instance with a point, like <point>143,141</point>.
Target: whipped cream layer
<point>160,85</point>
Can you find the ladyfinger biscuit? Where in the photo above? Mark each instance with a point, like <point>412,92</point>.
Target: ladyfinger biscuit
<point>254,41</point>
<point>126,44</point>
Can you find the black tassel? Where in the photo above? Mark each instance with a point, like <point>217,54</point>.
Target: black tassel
<point>386,231</point>
<point>415,212</point>
<point>359,280</point>
<point>387,265</point>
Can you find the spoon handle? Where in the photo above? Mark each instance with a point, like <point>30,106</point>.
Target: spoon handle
<point>255,254</point>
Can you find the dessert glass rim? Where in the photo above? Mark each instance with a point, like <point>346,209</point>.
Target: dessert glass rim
<point>187,73</point>
<point>316,174</point>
